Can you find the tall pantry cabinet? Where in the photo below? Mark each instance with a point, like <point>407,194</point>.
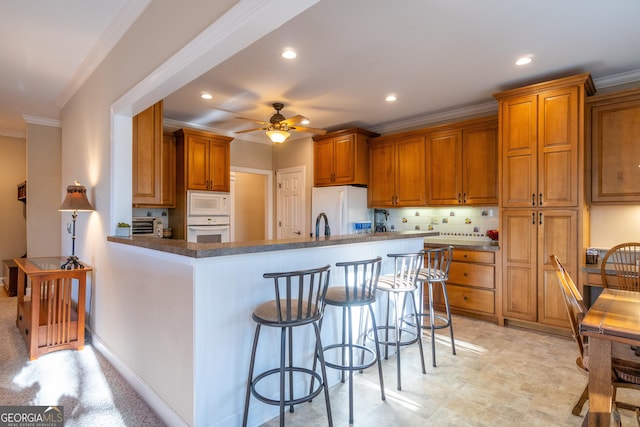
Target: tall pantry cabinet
<point>542,203</point>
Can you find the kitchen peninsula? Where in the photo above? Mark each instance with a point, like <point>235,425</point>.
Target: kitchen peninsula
<point>192,305</point>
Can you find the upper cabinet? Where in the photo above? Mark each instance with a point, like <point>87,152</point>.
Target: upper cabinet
<point>341,158</point>
<point>397,171</point>
<point>613,135</point>
<point>203,160</point>
<point>541,126</point>
<point>462,163</point>
<point>153,168</point>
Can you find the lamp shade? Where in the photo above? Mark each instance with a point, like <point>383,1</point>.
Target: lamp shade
<point>278,136</point>
<point>76,199</point>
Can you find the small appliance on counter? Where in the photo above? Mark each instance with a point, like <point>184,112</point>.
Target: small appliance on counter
<point>381,218</point>
<point>147,226</point>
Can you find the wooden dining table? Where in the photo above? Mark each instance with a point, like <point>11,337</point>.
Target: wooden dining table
<point>613,318</point>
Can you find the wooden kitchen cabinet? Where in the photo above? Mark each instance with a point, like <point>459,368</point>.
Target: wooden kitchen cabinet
<point>397,171</point>
<point>472,284</point>
<point>153,169</point>
<point>529,237</point>
<point>203,160</point>
<point>613,136</point>
<point>341,158</point>
<point>541,138</point>
<point>462,163</point>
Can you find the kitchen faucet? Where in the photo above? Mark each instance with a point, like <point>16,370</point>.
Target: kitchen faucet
<point>327,230</point>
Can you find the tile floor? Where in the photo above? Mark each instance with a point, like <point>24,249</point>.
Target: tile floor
<point>501,376</point>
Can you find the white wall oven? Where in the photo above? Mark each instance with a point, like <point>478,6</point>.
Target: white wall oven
<point>208,217</point>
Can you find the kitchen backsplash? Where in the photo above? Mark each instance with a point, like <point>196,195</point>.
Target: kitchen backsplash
<point>467,222</point>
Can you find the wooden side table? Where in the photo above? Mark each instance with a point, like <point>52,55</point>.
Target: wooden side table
<point>47,319</point>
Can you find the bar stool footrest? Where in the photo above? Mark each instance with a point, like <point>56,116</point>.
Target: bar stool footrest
<point>445,323</point>
<point>356,367</point>
<point>306,398</point>
<point>412,333</point>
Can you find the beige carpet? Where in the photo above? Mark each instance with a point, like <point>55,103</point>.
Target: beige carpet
<point>89,388</point>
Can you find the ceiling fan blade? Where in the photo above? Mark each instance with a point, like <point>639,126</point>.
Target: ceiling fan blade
<point>310,130</point>
<point>253,120</point>
<point>249,130</point>
<point>293,120</point>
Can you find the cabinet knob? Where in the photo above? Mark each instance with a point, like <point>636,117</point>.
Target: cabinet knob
<point>465,274</point>
<point>466,255</point>
<point>464,298</point>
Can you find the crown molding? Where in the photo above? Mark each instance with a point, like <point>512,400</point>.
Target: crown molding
<point>118,26</point>
<point>427,119</point>
<point>43,121</point>
<point>617,79</point>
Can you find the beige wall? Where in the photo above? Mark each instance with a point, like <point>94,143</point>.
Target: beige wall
<point>13,170</point>
<point>252,155</point>
<point>250,203</point>
<point>44,192</point>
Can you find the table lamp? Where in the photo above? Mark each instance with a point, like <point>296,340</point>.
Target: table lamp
<point>74,201</point>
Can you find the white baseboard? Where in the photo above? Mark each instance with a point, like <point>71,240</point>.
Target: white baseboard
<point>155,402</point>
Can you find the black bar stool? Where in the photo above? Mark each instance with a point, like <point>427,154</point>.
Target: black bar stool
<point>402,282</point>
<point>299,302</point>
<point>358,290</point>
<point>436,270</point>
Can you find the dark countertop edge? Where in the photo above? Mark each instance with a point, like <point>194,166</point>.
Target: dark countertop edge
<point>479,245</point>
<point>595,268</point>
<point>206,250</point>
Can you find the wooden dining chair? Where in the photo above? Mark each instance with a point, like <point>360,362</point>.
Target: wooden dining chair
<point>626,372</point>
<point>625,259</point>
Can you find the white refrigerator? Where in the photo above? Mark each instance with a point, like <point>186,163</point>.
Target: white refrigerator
<point>344,206</point>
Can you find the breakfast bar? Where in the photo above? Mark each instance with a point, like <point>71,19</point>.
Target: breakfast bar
<point>199,303</point>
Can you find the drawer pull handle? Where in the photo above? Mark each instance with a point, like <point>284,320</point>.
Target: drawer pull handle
<point>464,297</point>
<point>20,317</point>
<point>466,255</point>
<point>26,331</point>
<point>465,274</point>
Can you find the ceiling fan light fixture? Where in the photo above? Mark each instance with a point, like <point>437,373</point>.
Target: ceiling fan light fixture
<point>278,136</point>
<point>289,53</point>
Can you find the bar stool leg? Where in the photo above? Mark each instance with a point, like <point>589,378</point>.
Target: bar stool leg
<point>323,369</point>
<point>378,356</point>
<point>449,322</point>
<point>344,314</point>
<point>349,313</point>
<point>283,339</point>
<point>250,379</point>
<point>432,323</point>
<point>418,320</point>
<point>398,335</point>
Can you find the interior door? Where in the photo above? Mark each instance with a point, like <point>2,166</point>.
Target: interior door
<point>291,203</point>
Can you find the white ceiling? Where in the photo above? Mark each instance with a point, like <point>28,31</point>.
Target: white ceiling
<point>442,58</point>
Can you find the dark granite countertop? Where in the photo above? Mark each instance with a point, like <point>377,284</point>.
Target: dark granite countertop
<point>205,250</point>
<point>461,243</point>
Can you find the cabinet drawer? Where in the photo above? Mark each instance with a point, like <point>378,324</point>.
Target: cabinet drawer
<point>467,298</point>
<point>473,256</point>
<point>476,275</point>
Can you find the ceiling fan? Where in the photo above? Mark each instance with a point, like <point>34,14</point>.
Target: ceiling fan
<point>278,127</point>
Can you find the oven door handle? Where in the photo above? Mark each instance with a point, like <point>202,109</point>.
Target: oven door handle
<point>207,227</point>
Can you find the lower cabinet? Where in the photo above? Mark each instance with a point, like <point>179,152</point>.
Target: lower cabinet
<point>472,284</point>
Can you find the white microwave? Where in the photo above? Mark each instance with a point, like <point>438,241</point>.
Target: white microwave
<point>207,203</point>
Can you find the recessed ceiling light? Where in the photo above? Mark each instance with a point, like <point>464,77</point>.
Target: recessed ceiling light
<point>206,95</point>
<point>391,98</point>
<point>524,60</point>
<point>288,53</point>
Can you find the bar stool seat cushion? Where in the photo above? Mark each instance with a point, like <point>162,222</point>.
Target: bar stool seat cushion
<point>338,295</point>
<point>267,312</point>
<point>426,274</point>
<point>390,283</point>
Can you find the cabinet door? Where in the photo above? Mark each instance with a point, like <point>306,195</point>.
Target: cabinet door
<point>323,155</point>
<point>146,168</point>
<point>557,234</point>
<point>519,290</point>
<point>409,171</point>
<point>444,171</point>
<point>219,166</point>
<point>558,148</point>
<point>615,144</point>
<point>480,166</point>
<point>344,151</point>
<point>168,170</point>
<point>381,190</point>
<point>197,163</point>
<point>519,151</point>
